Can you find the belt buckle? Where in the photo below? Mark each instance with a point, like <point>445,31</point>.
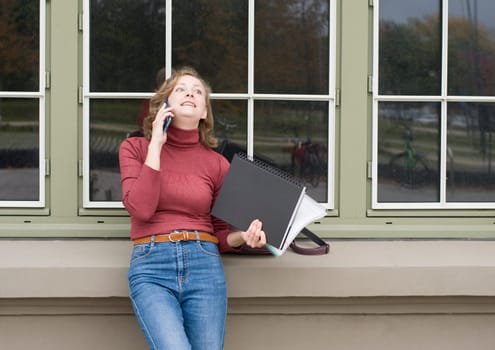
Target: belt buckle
<point>182,236</point>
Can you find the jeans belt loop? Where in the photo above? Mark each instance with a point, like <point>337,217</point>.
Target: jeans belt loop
<point>197,235</point>
<point>152,242</point>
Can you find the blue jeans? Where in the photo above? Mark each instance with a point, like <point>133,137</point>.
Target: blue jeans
<point>179,294</point>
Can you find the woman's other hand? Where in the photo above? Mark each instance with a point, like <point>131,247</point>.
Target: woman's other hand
<point>254,236</point>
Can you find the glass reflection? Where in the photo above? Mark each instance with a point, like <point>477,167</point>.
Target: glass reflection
<point>19,150</point>
<point>291,46</point>
<point>293,136</point>
<point>471,47</point>
<point>230,126</point>
<point>212,36</point>
<point>19,60</point>
<point>410,47</point>
<point>127,44</point>
<point>111,122</point>
<point>408,149</point>
<point>470,152</point>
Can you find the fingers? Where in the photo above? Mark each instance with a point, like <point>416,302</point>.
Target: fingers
<point>163,113</point>
<point>255,236</point>
<point>159,121</point>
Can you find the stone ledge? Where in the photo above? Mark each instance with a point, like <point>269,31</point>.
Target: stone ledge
<point>95,268</point>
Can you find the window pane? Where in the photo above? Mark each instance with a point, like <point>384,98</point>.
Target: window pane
<point>111,121</point>
<point>410,47</point>
<point>19,150</point>
<point>127,44</point>
<point>291,47</point>
<point>230,126</point>
<point>19,40</point>
<point>212,36</point>
<point>293,135</point>
<point>470,161</point>
<point>471,47</point>
<point>408,152</point>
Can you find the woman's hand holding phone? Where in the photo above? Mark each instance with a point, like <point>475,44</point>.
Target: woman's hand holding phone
<point>162,121</point>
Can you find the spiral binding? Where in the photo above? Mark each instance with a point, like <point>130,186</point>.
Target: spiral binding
<point>271,169</point>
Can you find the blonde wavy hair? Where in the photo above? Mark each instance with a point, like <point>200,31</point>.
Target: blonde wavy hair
<point>205,125</point>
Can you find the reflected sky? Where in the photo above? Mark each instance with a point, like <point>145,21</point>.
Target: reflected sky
<point>401,11</point>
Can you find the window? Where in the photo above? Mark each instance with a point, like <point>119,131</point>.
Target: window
<point>271,65</point>
<point>22,103</point>
<point>433,102</point>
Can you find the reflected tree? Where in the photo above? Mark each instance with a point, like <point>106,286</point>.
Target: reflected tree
<point>19,45</point>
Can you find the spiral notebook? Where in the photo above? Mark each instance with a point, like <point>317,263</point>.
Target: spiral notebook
<point>253,189</point>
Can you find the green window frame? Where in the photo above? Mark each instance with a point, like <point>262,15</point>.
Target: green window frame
<point>433,92</point>
<point>23,105</point>
<point>311,109</point>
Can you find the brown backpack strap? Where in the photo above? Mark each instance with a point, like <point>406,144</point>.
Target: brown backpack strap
<point>322,248</point>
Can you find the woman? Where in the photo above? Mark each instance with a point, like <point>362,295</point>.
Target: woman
<point>169,183</point>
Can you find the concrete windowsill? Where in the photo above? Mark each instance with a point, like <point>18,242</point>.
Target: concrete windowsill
<point>98,268</point>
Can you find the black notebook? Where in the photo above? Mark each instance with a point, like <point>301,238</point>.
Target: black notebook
<point>253,189</point>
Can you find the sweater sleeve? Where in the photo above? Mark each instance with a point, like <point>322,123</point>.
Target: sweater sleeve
<point>140,183</point>
<point>221,232</point>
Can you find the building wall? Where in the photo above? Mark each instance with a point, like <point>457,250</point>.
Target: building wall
<point>338,323</point>
<point>71,293</point>
<point>364,294</point>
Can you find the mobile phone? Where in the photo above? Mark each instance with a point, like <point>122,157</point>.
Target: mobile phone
<point>168,119</point>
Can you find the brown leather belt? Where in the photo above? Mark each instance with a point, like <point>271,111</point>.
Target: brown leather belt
<point>178,236</point>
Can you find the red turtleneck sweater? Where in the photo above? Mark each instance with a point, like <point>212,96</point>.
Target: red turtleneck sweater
<point>181,194</point>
